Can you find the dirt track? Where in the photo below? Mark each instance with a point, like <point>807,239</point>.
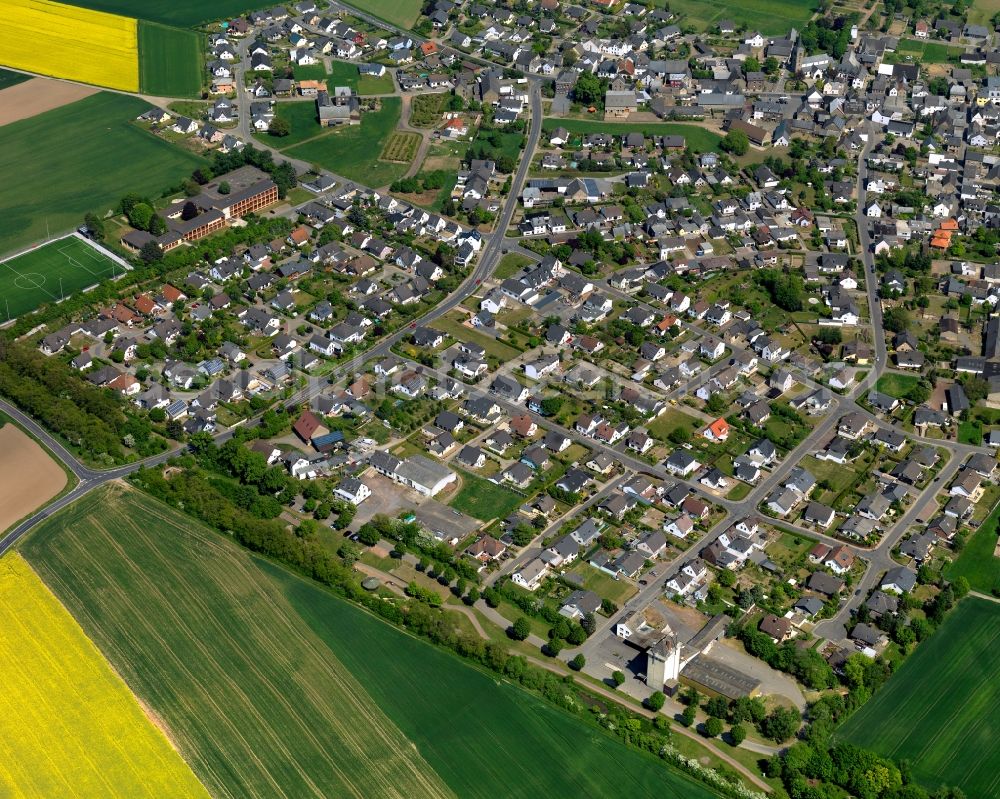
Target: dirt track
<point>28,476</point>
<point>25,100</point>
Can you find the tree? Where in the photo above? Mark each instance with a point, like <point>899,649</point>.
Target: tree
<point>189,211</point>
<point>140,216</point>
<point>151,253</point>
<point>280,127</point>
<point>737,734</point>
<point>780,724</point>
<point>521,629</point>
<point>688,716</point>
<point>896,319</point>
<point>578,663</point>
<point>95,225</point>
<point>552,405</point>
<point>679,435</point>
<point>588,89</point>
<point>655,701</point>
<point>713,727</point>
<point>369,534</point>
<point>735,142</point>
<point>716,404</point>
<point>618,678</point>
<point>224,187</point>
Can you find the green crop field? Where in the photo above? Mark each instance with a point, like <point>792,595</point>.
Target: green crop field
<point>353,150</point>
<point>402,13</point>
<point>170,61</point>
<point>78,158</point>
<point>976,563</point>
<point>697,138</point>
<point>253,672</point>
<point>53,271</point>
<point>254,699</point>
<point>770,17</point>
<point>484,500</point>
<point>8,78</point>
<point>182,13</point>
<point>939,710</point>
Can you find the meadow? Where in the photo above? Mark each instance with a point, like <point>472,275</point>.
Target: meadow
<point>170,61</point>
<point>402,13</point>
<point>64,41</point>
<point>69,726</point>
<point>254,699</point>
<point>252,669</point>
<point>770,17</point>
<point>696,137</point>
<point>938,710</point>
<point>53,271</point>
<point>353,150</point>
<point>182,13</point>
<point>897,385</point>
<point>976,562</point>
<point>483,500</point>
<point>78,158</point>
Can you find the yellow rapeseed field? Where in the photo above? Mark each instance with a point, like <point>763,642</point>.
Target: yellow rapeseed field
<point>69,726</point>
<point>69,42</point>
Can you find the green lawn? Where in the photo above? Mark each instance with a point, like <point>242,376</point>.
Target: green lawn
<point>272,686</point>
<point>8,78</point>
<point>976,562</point>
<point>182,13</point>
<point>970,432</point>
<point>483,500</point>
<point>669,421</point>
<point>896,385</point>
<point>767,16</point>
<point>698,138</point>
<point>939,710</point>
<point>302,121</point>
<point>353,151</point>
<point>926,52</point>
<point>496,349</point>
<point>402,13</point>
<point>78,158</point>
<point>604,585</point>
<point>49,273</point>
<point>510,264</point>
<point>170,61</point>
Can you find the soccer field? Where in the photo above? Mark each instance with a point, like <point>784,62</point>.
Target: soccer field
<point>55,270</point>
<point>939,710</point>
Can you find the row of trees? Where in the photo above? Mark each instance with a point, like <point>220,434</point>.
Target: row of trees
<point>92,420</point>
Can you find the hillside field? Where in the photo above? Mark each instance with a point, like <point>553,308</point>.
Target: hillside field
<point>170,61</point>
<point>182,13</point>
<point>770,17</point>
<point>266,679</point>
<point>402,13</point>
<point>976,562</point>
<point>939,710</point>
<point>79,44</point>
<point>82,157</point>
<point>256,703</point>
<point>68,725</point>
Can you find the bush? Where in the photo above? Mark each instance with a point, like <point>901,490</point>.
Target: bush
<point>618,678</point>
<point>655,701</point>
<point>578,663</point>
<point>520,630</point>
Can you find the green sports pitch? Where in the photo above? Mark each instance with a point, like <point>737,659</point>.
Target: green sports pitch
<point>50,273</point>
